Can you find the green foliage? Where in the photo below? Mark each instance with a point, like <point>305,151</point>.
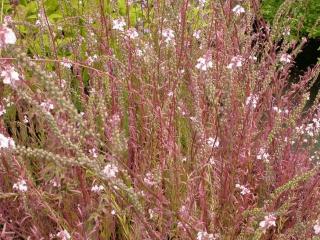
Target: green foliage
<point>304,16</point>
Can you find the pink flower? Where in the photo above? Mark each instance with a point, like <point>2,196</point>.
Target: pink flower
<point>47,105</point>
<point>20,186</point>
<point>316,228</point>
<point>6,142</point>
<point>285,58</point>
<point>252,101</point>
<point>97,188</point>
<point>213,142</point>
<point>10,76</point>
<point>197,34</point>
<point>236,62</point>
<point>118,24</point>
<point>110,170</point>
<point>205,236</point>
<point>64,235</point>
<point>132,33</point>
<point>238,10</point>
<point>268,222</point>
<point>168,35</point>
<point>204,64</point>
<point>2,110</point>
<point>7,36</point>
<point>243,189</point>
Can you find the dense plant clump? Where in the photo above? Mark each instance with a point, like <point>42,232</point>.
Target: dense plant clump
<point>154,120</point>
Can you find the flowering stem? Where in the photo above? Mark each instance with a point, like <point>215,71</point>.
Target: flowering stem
<point>1,16</point>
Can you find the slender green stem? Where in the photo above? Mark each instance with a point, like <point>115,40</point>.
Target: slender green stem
<point>1,16</point>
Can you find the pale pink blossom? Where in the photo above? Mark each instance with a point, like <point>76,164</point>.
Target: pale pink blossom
<point>285,58</point>
<point>93,152</point>
<point>2,110</point>
<point>132,33</point>
<point>25,119</point>
<point>202,2</point>
<point>7,36</point>
<point>252,101</point>
<point>10,76</point>
<point>118,24</point>
<point>149,179</point>
<point>20,186</point>
<point>47,105</point>
<point>64,235</point>
<point>286,32</point>
<point>168,35</point>
<point>268,222</point>
<point>238,9</point>
<point>263,155</point>
<point>244,190</point>
<point>97,188</point>
<point>316,228</point>
<point>213,142</point>
<point>204,63</point>
<point>202,235</point>
<point>197,34</point>
<point>66,63</point>
<point>236,62</point>
<point>110,170</point>
<point>6,142</point>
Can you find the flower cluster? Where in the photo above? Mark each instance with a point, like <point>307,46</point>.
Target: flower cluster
<point>197,34</point>
<point>285,58</point>
<point>97,188</point>
<point>205,236</point>
<point>278,110</point>
<point>10,76</point>
<point>316,228</point>
<point>93,152</point>
<point>268,222</point>
<point>236,62</point>
<point>202,2</point>
<point>47,105</point>
<point>309,130</point>
<point>118,24</point>
<point>6,142</point>
<point>2,110</point>
<point>213,142</point>
<point>132,33</point>
<point>66,63</point>
<point>7,36</point>
<point>20,186</point>
<point>204,63</point>
<point>252,101</point>
<point>238,9</point>
<point>110,170</point>
<point>263,155</point>
<point>243,189</point>
<point>149,179</point>
<point>64,235</point>
<point>92,59</point>
<point>168,35</point>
